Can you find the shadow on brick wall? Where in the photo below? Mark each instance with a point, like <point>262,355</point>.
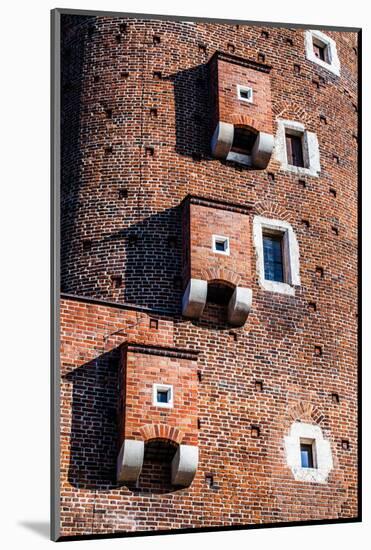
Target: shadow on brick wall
<point>74,42</point>
<point>192,112</point>
<point>94,431</point>
<point>194,116</point>
<point>151,262</point>
<point>151,268</point>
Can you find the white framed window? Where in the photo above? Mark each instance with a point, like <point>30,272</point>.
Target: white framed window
<point>308,456</point>
<point>321,49</point>
<point>220,245</point>
<point>308,453</point>
<point>163,395</point>
<point>297,149</point>
<point>245,93</point>
<point>277,255</point>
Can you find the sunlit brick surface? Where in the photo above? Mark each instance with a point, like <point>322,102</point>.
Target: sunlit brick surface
<point>137,119</point>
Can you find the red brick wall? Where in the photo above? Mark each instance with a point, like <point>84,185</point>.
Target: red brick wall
<point>206,221</point>
<point>141,371</point>
<point>258,113</point>
<point>134,146</point>
<point>252,483</point>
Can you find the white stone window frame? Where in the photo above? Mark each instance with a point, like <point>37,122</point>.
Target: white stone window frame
<point>163,387</point>
<point>216,238</point>
<point>310,146</point>
<point>332,63</point>
<point>301,432</point>
<point>290,254</point>
<point>241,88</point>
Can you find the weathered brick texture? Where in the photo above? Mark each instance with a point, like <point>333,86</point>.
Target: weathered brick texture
<point>140,417</point>
<point>202,220</point>
<point>136,123</point>
<point>227,75</point>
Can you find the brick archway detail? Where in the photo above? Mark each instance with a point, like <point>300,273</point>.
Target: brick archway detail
<point>270,209</point>
<point>295,112</point>
<point>246,121</point>
<point>221,274</point>
<point>161,431</point>
<point>304,411</point>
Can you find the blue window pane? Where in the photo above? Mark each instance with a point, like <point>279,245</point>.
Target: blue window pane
<point>162,396</point>
<point>306,453</point>
<point>220,246</point>
<point>273,265</point>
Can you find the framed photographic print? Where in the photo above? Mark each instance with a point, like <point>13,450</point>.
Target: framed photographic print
<point>206,274</point>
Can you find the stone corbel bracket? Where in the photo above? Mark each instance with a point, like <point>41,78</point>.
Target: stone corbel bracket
<point>130,460</point>
<point>221,145</point>
<point>184,465</point>
<point>130,463</point>
<point>239,306</point>
<point>195,296</point>
<point>221,142</point>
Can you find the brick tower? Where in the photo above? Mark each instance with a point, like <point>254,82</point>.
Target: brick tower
<point>208,275</point>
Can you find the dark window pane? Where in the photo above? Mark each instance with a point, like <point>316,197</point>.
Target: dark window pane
<point>273,265</point>
<point>306,453</point>
<point>243,141</point>
<point>245,93</point>
<point>162,396</point>
<point>294,149</point>
<point>220,246</point>
<point>319,51</point>
<point>219,293</point>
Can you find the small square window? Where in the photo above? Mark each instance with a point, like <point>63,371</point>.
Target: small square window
<point>116,281</point>
<point>335,398</point>
<point>220,245</point>
<point>245,93</point>
<point>297,149</point>
<point>273,257</point>
<point>163,395</point>
<point>307,457</point>
<point>294,149</point>
<point>321,49</point>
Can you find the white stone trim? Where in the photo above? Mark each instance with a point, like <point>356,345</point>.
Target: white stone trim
<point>311,156</point>
<point>130,460</point>
<point>163,387</point>
<point>184,465</point>
<point>216,238</point>
<point>262,150</point>
<point>239,306</point>
<point>290,255</point>
<point>239,158</point>
<point>194,298</point>
<point>333,63</point>
<point>322,453</point>
<point>222,140</point>
<point>249,89</point>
